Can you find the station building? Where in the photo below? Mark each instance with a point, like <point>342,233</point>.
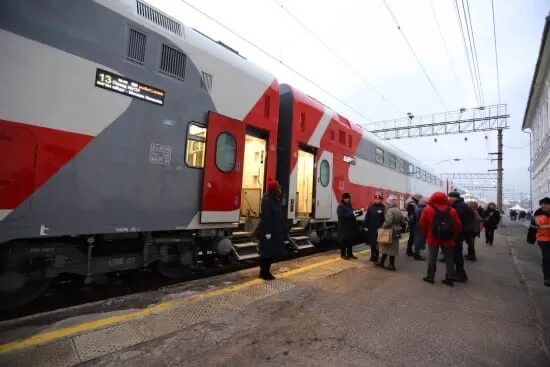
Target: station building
<point>537,120</point>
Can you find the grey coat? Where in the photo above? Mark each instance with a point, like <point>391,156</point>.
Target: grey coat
<point>394,220</point>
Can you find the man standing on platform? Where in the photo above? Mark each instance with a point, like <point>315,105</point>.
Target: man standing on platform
<point>466,218</point>
<point>411,215</point>
<point>374,218</point>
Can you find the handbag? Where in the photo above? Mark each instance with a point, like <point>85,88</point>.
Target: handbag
<point>385,236</point>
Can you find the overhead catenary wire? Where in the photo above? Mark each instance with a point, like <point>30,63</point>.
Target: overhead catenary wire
<point>447,53</point>
<point>415,55</point>
<point>265,53</point>
<point>474,85</point>
<point>337,55</point>
<point>496,49</point>
<point>473,49</point>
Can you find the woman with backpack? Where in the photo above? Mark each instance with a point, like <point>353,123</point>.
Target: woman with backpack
<point>441,226</point>
<point>395,220</point>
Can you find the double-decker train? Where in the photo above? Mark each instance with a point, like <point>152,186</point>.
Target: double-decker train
<point>128,140</point>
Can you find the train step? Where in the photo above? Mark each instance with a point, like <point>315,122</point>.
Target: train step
<point>300,242</point>
<point>245,250</point>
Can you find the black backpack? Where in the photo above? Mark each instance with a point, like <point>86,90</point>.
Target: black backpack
<point>442,226</point>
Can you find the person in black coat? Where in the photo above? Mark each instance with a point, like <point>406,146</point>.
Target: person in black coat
<point>466,218</point>
<point>412,204</point>
<point>491,219</point>
<point>348,228</point>
<point>271,230</point>
<point>374,218</point>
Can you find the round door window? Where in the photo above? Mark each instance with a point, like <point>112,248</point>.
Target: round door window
<point>324,173</point>
<point>226,150</point>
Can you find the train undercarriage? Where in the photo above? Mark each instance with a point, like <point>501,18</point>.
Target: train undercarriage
<point>28,267</point>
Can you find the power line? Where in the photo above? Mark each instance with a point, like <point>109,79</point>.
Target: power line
<point>242,38</point>
<point>337,55</point>
<point>470,28</point>
<point>467,53</point>
<point>449,58</point>
<point>496,50</point>
<point>414,54</point>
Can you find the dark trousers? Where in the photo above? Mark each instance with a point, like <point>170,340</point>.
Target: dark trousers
<point>410,242</point>
<point>545,249</point>
<point>471,241</point>
<point>265,265</point>
<point>346,248</point>
<point>489,235</point>
<point>432,261</point>
<point>459,257</point>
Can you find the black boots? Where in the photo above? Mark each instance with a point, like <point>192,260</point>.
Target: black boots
<point>392,263</point>
<point>265,269</point>
<point>373,255</point>
<point>448,282</point>
<point>382,260</point>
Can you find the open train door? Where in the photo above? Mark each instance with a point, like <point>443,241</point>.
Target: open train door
<point>222,180</point>
<point>323,186</point>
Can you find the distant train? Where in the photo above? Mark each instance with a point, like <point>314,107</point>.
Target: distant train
<point>129,140</point>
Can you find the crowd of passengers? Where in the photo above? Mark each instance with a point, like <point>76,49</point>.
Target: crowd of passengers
<point>441,222</point>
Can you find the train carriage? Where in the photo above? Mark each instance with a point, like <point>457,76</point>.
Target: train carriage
<point>128,139</point>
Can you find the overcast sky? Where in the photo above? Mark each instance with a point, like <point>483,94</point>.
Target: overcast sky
<point>364,35</point>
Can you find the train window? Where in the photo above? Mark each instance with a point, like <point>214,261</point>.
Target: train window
<point>196,145</point>
<point>332,135</point>
<point>324,173</point>
<point>411,169</point>
<point>379,155</point>
<point>418,173</point>
<point>349,141</point>
<point>400,165</point>
<point>423,175</point>
<point>226,151</point>
<point>342,137</point>
<point>391,161</point>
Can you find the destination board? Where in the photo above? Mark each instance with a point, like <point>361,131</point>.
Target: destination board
<point>119,84</point>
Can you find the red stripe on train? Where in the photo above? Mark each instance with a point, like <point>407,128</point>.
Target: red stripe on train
<point>30,155</point>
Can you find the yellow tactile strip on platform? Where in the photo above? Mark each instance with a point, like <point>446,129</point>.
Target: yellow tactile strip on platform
<point>89,340</point>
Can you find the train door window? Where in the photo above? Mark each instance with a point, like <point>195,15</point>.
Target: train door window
<point>324,173</point>
<point>196,145</point>
<point>304,187</point>
<point>253,175</point>
<point>226,151</point>
<point>418,173</point>
<point>349,141</point>
<point>379,155</point>
<point>423,175</point>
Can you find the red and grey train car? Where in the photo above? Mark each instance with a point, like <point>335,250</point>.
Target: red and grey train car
<point>128,139</point>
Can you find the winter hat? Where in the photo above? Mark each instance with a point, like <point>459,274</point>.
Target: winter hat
<point>454,194</point>
<point>417,197</point>
<point>545,200</point>
<point>346,196</point>
<point>272,186</point>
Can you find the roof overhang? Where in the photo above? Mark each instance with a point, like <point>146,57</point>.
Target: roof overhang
<point>541,68</point>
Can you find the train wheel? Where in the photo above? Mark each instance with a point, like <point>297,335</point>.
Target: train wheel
<point>21,297</point>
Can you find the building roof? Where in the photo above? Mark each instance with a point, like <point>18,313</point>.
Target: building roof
<point>537,69</point>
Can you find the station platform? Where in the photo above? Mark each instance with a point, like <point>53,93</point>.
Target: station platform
<point>320,311</point>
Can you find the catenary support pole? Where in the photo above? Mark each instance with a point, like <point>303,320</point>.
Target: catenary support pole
<point>499,171</point>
